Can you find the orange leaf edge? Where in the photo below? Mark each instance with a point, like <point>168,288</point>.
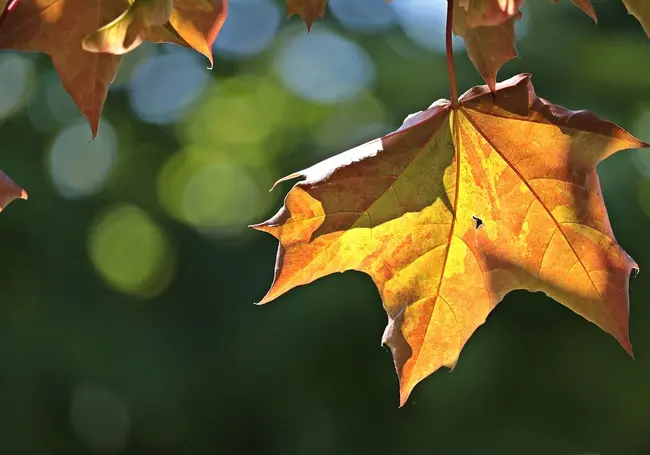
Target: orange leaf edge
<point>564,116</point>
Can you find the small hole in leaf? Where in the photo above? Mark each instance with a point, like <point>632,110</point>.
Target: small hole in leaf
<point>635,273</point>
<point>479,222</point>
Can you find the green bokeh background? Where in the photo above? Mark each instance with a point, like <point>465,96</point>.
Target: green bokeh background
<point>127,322</point>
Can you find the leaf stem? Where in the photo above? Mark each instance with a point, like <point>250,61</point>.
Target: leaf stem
<point>450,54</point>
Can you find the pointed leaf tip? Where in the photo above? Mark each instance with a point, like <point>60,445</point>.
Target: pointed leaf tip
<point>627,345</point>
<point>398,210</point>
<point>640,10</point>
<point>308,10</point>
<point>259,227</point>
<point>199,28</point>
<point>35,26</point>
<point>489,47</point>
<point>404,394</point>
<point>287,178</point>
<point>9,191</point>
<point>587,7</point>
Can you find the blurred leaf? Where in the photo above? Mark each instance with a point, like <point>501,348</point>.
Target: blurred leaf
<point>199,24</point>
<point>488,47</point>
<point>9,191</point>
<point>641,10</point>
<point>454,210</point>
<point>53,27</point>
<point>129,30</point>
<point>58,28</point>
<point>193,23</point>
<point>309,10</point>
<point>584,5</point>
<point>638,8</point>
<point>484,13</point>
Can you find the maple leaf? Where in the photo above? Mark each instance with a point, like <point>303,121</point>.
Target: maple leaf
<point>198,25</point>
<point>454,210</point>
<point>9,191</point>
<point>488,47</point>
<point>482,13</point>
<point>308,10</point>
<point>131,28</point>
<point>147,20</point>
<point>58,27</point>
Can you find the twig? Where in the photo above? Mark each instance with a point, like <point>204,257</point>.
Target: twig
<point>450,54</point>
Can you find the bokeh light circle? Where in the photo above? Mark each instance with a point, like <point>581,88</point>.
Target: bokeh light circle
<point>78,166</point>
<point>215,196</point>
<point>131,252</point>
<point>367,16</point>
<point>220,196</point>
<point>16,77</point>
<point>162,87</point>
<point>250,28</point>
<point>423,21</point>
<point>324,67</point>
<point>100,418</point>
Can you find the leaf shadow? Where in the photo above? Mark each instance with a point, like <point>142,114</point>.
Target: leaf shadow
<point>402,173</point>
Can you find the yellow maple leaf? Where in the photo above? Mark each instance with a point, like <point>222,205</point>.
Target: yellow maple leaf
<point>457,208</point>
